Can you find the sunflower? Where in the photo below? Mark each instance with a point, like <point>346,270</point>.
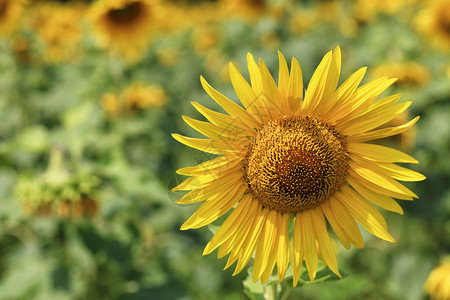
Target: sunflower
<point>59,30</point>
<point>139,96</point>
<point>434,22</point>
<point>124,26</point>
<point>59,193</point>
<point>248,9</point>
<point>438,282</point>
<point>408,74</point>
<point>288,160</point>
<point>10,12</point>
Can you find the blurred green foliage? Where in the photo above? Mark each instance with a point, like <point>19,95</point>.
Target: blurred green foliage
<point>133,248</point>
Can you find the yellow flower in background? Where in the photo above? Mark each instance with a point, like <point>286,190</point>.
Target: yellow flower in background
<point>205,38</point>
<point>10,13</point>
<point>248,9</point>
<point>124,27</point>
<point>58,27</point>
<point>438,282</point>
<point>366,11</point>
<point>434,22</point>
<point>140,97</point>
<point>111,104</point>
<point>407,74</point>
<point>287,158</point>
<point>136,97</point>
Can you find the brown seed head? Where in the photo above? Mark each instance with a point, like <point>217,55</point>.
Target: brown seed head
<point>294,164</point>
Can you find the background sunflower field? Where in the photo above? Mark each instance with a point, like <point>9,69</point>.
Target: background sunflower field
<point>90,92</point>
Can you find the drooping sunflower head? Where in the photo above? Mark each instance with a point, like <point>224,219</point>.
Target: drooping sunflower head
<point>291,157</point>
<point>123,26</point>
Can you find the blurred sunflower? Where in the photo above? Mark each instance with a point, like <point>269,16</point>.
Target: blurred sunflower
<point>136,97</point>
<point>58,27</point>
<point>367,11</point>
<point>408,74</point>
<point>139,97</point>
<point>111,104</point>
<point>124,26</point>
<point>288,159</point>
<point>248,9</point>
<point>58,192</point>
<point>434,22</point>
<point>10,12</point>
<point>438,282</point>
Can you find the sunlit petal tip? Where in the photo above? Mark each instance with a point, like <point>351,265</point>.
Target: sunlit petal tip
<point>250,57</point>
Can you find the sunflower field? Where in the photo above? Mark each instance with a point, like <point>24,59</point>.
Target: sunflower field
<point>98,100</point>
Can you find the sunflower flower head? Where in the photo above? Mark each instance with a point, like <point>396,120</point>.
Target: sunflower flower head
<point>290,161</point>
<point>59,193</point>
<point>437,284</point>
<point>123,26</point>
<point>59,30</point>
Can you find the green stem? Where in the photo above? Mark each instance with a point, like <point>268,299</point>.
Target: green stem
<point>270,292</point>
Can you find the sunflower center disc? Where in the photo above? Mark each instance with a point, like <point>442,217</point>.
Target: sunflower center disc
<point>126,14</point>
<point>296,163</point>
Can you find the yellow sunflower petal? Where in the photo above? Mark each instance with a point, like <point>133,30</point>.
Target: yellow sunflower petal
<point>340,233</point>
<point>283,246</point>
<point>377,106</point>
<point>229,106</point>
<point>266,243</point>
<point>230,225</point>
<point>381,200</point>
<point>263,101</point>
<point>376,188</point>
<point>271,89</point>
<point>234,242</point>
<point>341,95</point>
<point>390,169</point>
<point>297,249</point>
<point>381,180</point>
<point>230,135</point>
<point>295,87</point>
<point>317,85</point>
<point>364,213</point>
<point>382,133</point>
<point>332,81</point>
<point>245,93</point>
<point>379,153</point>
<point>212,209</point>
<point>283,82</point>
<point>374,119</point>
<point>223,120</point>
<point>214,166</point>
<point>202,181</point>
<point>347,222</point>
<point>325,245</point>
<point>207,145</point>
<point>252,239</point>
<point>309,243</point>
